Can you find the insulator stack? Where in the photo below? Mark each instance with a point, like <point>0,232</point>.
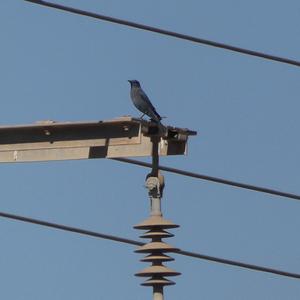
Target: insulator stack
<point>156,250</point>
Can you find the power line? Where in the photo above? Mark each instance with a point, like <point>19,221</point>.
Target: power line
<point>136,243</point>
<point>69,228</point>
<point>167,32</point>
<point>239,264</point>
<point>211,178</point>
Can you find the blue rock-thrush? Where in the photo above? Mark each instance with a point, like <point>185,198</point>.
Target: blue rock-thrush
<point>142,102</point>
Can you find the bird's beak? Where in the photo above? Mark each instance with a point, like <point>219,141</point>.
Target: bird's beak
<point>129,81</point>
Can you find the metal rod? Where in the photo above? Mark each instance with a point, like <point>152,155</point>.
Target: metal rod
<point>155,155</point>
<point>152,181</point>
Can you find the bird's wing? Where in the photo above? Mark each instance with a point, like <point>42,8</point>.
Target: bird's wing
<point>146,99</point>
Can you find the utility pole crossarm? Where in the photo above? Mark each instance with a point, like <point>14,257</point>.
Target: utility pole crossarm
<point>120,137</point>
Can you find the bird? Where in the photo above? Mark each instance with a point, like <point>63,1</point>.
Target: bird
<point>142,102</point>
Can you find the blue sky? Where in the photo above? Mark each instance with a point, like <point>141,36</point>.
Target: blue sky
<point>246,110</point>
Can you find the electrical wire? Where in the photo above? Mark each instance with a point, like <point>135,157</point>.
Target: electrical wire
<point>168,33</point>
<point>137,243</point>
<point>210,178</point>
